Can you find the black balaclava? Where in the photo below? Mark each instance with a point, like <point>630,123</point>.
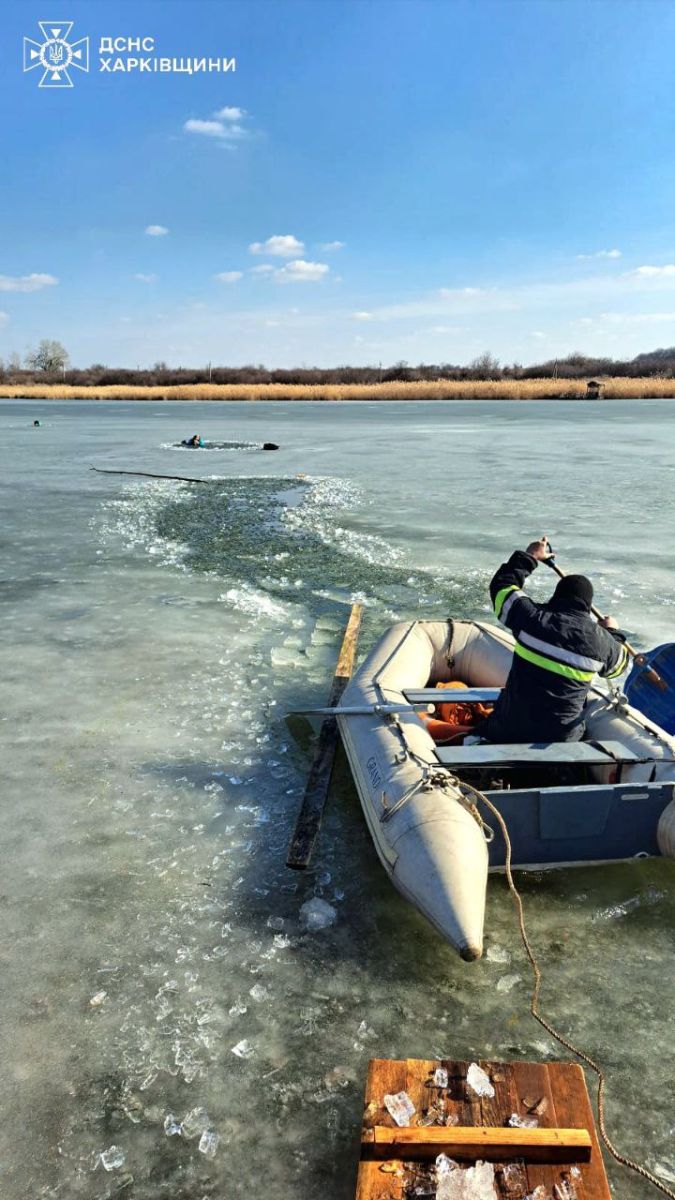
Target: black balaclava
<point>575,587</point>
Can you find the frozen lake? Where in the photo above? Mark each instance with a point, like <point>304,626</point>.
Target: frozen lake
<point>154,637</point>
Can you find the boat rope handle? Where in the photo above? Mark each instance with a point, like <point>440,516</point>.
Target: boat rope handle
<point>638,1168</point>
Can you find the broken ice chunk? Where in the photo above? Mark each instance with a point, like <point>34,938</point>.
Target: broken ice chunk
<point>172,1125</point>
<point>507,982</point>
<point>564,1190</point>
<point>113,1158</point>
<point>523,1122</point>
<point>440,1077</point>
<point>258,992</point>
<point>195,1122</point>
<point>400,1107</point>
<point>498,954</point>
<point>98,999</point>
<point>243,1049</point>
<point>317,914</point>
<point>539,1193</point>
<point>513,1178</point>
<point>479,1081</point>
<point>444,1165</point>
<point>208,1143</point>
<point>476,1183</point>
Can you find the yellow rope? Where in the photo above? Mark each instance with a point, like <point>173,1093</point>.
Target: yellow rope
<point>534,1009</point>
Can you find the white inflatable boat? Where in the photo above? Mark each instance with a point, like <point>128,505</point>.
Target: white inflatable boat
<point>606,798</point>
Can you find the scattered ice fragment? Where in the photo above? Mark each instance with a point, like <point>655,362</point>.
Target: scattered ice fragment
<point>444,1165</point>
<point>564,1190</point>
<point>324,879</point>
<point>317,914</point>
<point>507,982</point>
<point>523,1122</point>
<point>539,1193</point>
<point>400,1107</point>
<point>575,1172</point>
<point>365,1033</point>
<point>440,1077</point>
<point>98,999</point>
<point>172,1125</point>
<point>258,992</point>
<point>479,1081</point>
<point>208,1143</point>
<point>513,1178</point>
<point>243,1049</point>
<point>475,1183</point>
<point>275,922</point>
<point>497,954</point>
<point>113,1158</point>
<point>195,1122</point>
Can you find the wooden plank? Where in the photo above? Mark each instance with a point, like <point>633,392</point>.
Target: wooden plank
<point>374,1184</point>
<point>493,1142</point>
<point>573,1106</point>
<point>528,754</point>
<point>535,1098</point>
<point>308,822</point>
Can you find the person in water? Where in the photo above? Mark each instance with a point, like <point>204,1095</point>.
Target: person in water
<point>195,440</point>
<point>559,648</point>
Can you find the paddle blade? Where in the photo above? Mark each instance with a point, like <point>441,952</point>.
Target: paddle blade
<point>656,703</point>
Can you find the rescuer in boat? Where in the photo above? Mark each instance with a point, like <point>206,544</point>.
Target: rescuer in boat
<point>559,648</point>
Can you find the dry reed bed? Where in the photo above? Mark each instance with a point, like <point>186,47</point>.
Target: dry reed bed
<point>442,389</point>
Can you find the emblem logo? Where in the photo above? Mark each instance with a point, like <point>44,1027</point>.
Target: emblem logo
<point>56,55</point>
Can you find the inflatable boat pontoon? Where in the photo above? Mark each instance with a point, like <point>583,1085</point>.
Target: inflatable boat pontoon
<point>606,798</point>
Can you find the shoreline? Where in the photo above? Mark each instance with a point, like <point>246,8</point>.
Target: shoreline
<point>445,389</point>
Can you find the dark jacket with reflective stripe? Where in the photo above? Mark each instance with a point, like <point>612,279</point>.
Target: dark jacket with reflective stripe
<point>559,648</point>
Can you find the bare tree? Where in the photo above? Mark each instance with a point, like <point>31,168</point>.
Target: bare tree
<point>49,356</point>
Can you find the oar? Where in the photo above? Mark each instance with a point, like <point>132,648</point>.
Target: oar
<point>640,659</point>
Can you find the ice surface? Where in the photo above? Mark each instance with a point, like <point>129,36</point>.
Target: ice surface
<point>317,914</point>
<point>208,1143</point>
<point>113,1158</point>
<point>400,1107</point>
<point>473,1183</point>
<point>479,1081</point>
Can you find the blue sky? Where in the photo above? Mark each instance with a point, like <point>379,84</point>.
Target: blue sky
<point>378,180</point>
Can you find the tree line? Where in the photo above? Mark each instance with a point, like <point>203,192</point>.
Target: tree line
<point>50,363</point>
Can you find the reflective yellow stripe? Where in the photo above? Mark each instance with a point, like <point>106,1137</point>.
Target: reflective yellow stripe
<point>501,597</point>
<point>548,664</point>
<point>621,667</point>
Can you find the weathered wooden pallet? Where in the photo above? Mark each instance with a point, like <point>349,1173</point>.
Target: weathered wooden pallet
<point>562,1155</point>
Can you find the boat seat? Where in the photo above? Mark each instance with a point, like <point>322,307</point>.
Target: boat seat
<point>490,754</point>
<point>484,695</point>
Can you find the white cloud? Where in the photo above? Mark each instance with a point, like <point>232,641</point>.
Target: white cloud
<point>144,278</point>
<point>331,246</point>
<point>222,125</point>
<point>4,318</point>
<point>300,271</point>
<point>228,276</point>
<point>600,254</point>
<point>362,316</point>
<point>653,272</point>
<point>26,283</point>
<point>536,333</point>
<point>230,113</point>
<point>156,230</point>
<point>279,246</point>
<point>262,269</point>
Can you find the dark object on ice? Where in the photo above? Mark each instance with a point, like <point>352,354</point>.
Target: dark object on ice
<point>270,446</point>
<point>37,424</point>
<point>316,792</point>
<point>195,441</point>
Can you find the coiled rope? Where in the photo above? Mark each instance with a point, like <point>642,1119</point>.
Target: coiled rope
<point>534,1007</point>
